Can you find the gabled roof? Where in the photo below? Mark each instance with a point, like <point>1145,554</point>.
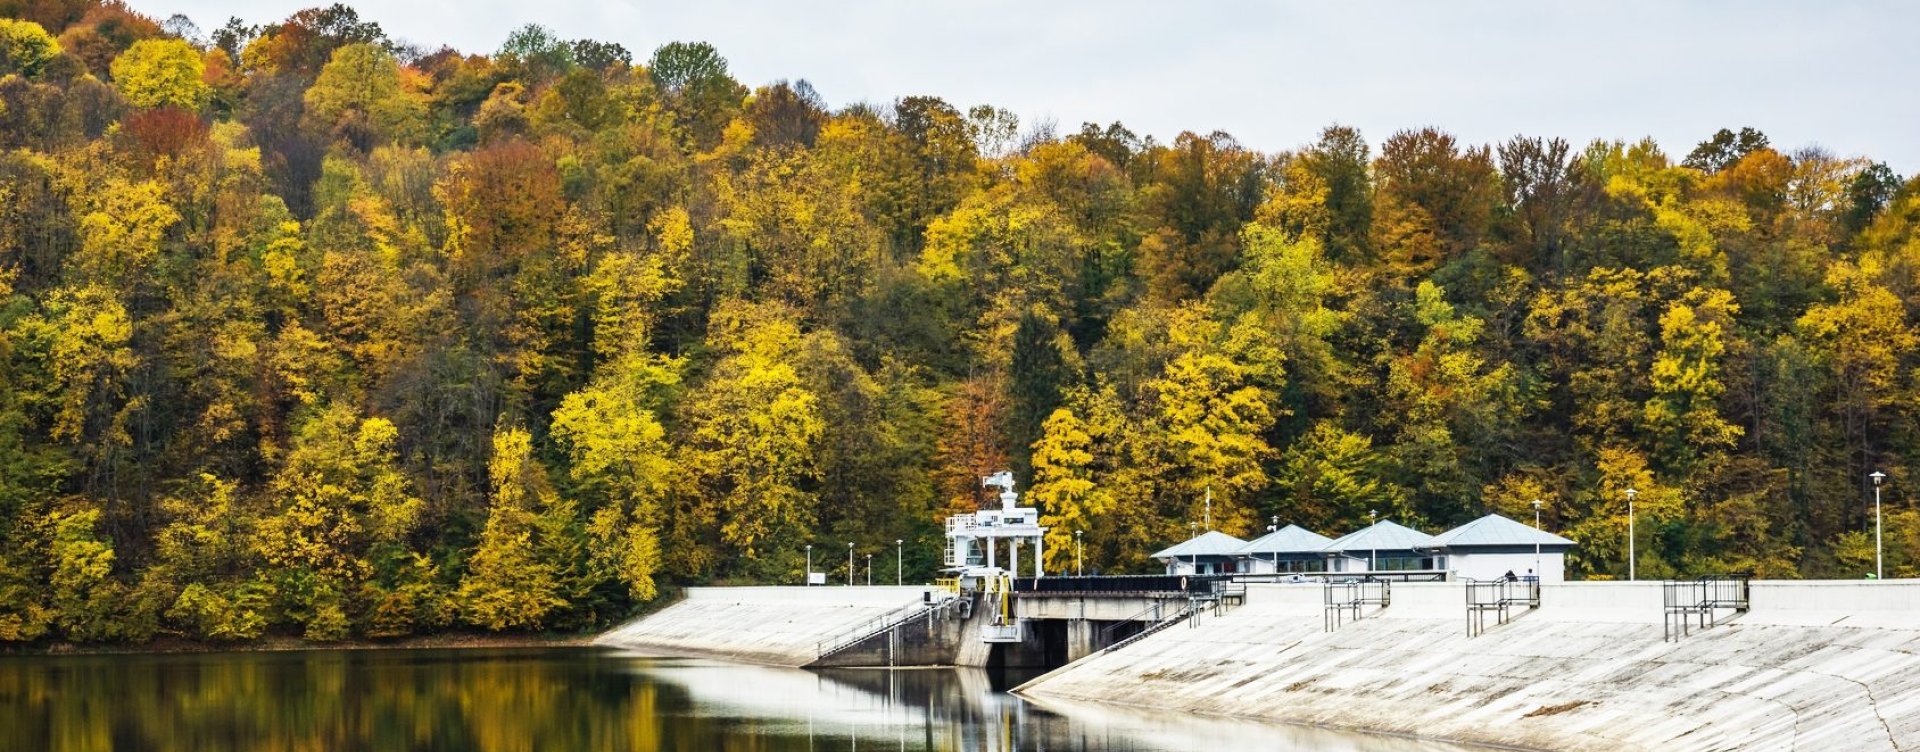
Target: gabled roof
<point>1209,543</point>
<point>1385,535</point>
<point>1291,539</point>
<point>1495,530</point>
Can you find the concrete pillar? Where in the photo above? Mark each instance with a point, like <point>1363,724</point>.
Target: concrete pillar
<point>1080,636</point>
<point>1038,543</point>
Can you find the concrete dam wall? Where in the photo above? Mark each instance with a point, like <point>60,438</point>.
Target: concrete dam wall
<point>780,626</point>
<point>1812,665</point>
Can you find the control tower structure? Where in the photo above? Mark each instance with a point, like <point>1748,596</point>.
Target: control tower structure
<point>975,541</point>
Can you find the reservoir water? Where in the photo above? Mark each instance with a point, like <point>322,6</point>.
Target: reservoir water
<point>538,699</point>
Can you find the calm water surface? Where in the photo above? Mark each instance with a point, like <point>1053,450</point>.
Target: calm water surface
<point>569,699</point>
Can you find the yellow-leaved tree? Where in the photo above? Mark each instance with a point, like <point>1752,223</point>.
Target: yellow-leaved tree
<point>1072,464</point>
<point>161,73</point>
<point>1605,518</point>
<point>1684,414</point>
<point>359,96</point>
<point>1215,406</point>
<point>509,585</point>
<point>344,510</point>
<point>621,459</point>
<point>25,48</point>
<point>751,451</point>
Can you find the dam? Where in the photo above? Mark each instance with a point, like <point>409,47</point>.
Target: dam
<point>1596,666</point>
<point>1357,644</point>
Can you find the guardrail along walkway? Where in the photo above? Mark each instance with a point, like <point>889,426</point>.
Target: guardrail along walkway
<point>1704,597</point>
<point>1498,597</point>
<point>1344,600</point>
<point>1117,584</point>
<point>1184,614</point>
<point>858,633</point>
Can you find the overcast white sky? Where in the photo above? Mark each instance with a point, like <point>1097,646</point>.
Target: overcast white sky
<point>1834,73</point>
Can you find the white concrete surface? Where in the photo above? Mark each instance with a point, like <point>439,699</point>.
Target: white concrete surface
<point>780,626</point>
<point>1814,665</point>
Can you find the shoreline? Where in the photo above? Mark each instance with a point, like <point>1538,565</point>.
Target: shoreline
<point>173,645</point>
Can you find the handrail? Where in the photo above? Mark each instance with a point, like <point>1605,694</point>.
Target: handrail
<point>1392,575</point>
<point>1499,597</point>
<point>1126,583</point>
<point>849,637</point>
<point>1158,607</point>
<point>1703,596</point>
<point>1183,613</point>
<point>1348,597</point>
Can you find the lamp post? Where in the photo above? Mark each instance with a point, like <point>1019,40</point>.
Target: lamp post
<point>1632,561</point>
<point>1274,528</point>
<point>869,570</point>
<point>849,565</point>
<point>1209,506</point>
<point>1373,556</point>
<point>1079,555</point>
<point>1878,572</point>
<point>1193,529</point>
<point>899,565</point>
<point>1537,571</point>
<point>809,578</point>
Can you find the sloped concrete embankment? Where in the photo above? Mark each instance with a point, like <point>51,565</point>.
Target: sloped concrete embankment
<point>1814,665</point>
<point>780,626</point>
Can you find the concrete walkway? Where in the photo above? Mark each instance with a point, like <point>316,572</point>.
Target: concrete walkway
<point>778,626</point>
<point>1814,665</point>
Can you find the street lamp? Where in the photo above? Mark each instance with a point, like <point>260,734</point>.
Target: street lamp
<point>1274,528</point>
<point>1878,572</point>
<point>1632,561</point>
<point>1079,555</point>
<point>849,565</point>
<point>809,579</point>
<point>1373,556</point>
<point>1193,531</point>
<point>899,554</point>
<point>1537,571</point>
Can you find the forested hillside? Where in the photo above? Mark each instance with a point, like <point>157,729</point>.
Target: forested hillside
<point>306,331</point>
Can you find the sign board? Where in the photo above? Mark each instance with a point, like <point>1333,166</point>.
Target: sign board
<point>816,578</point>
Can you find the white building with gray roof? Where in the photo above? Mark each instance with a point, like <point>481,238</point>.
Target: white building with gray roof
<point>1289,549</point>
<point>1493,547</point>
<point>1211,552</point>
<point>1384,546</point>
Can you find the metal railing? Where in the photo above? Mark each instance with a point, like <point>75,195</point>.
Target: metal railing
<point>1703,597</point>
<point>1155,613</point>
<point>1109,584</point>
<point>854,635</point>
<point>1185,613</point>
<point>1395,575</point>
<point>1499,598</point>
<point>1344,600</point>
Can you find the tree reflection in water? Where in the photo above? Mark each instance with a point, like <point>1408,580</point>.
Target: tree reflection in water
<point>523,700</point>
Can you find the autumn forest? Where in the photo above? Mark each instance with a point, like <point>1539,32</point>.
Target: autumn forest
<point>309,332</point>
